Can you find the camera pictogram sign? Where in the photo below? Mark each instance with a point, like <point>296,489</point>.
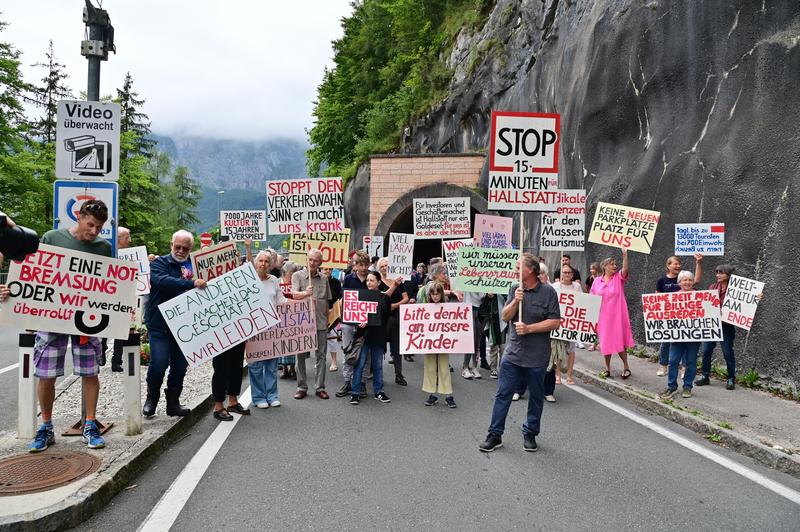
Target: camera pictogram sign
<point>87,140</point>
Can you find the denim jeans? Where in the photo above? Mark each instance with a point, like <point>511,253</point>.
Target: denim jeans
<point>511,377</point>
<point>728,336</point>
<point>164,352</point>
<point>686,351</point>
<point>374,353</point>
<point>263,380</point>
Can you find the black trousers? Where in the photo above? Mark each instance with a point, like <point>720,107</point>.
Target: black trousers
<point>227,378</point>
<point>394,343</point>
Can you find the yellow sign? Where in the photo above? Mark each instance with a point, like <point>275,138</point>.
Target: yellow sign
<point>334,247</point>
<point>624,227</point>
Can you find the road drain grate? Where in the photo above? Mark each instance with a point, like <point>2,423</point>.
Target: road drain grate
<point>30,473</point>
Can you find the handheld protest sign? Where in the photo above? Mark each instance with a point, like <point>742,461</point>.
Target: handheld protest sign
<point>214,261</point>
<point>450,255</point>
<point>305,205</point>
<point>333,246</point>
<point>492,231</point>
<point>741,301</point>
<point>296,333</point>
<point>436,328</point>
<point>565,229</point>
<point>485,270</point>
<point>361,306</point>
<point>624,227</point>
<point>579,316</point>
<point>138,255</point>
<point>243,225</point>
<point>707,239</point>
<point>442,217</point>
<point>401,256</point>
<point>684,316</point>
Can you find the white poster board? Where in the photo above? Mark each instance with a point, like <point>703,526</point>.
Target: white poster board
<point>707,239</point>
<point>305,205</point>
<point>138,255</point>
<point>243,225</point>
<point>401,256</point>
<point>565,229</point>
<point>741,301</point>
<point>442,217</point>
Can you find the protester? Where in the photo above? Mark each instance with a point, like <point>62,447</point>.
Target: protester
<point>564,283</point>
<point>123,242</point>
<point>567,260</point>
<point>614,325</point>
<point>334,340</point>
<point>263,374</point>
<point>419,274</point>
<point>544,273</point>
<point>469,367</point>
<point>170,276</point>
<point>287,270</point>
<point>436,376</point>
<point>310,283</point>
<point>527,353</point>
<point>50,348</point>
<point>374,346</point>
<point>594,272</point>
<point>356,280</point>
<point>496,329</point>
<point>397,296</point>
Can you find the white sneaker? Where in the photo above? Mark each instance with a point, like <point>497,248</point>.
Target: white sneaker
<point>275,403</point>
<point>515,397</point>
<point>466,373</point>
<point>662,370</point>
<point>550,398</point>
<point>476,374</point>
<point>680,375</point>
<point>581,345</point>
<point>262,405</point>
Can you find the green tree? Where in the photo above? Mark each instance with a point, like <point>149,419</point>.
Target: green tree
<point>133,119</point>
<point>47,95</point>
<point>186,192</point>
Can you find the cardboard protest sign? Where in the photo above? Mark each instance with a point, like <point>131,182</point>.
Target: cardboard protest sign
<point>450,249</point>
<point>361,306</point>
<point>509,192</point>
<point>296,333</point>
<point>334,247</point>
<point>213,261</point>
<point>436,328</point>
<point>492,231</point>
<point>139,256</point>
<point>305,205</point>
<point>708,239</point>
<point>624,227</point>
<point>401,256</point>
<point>524,143</point>
<point>441,217</point>
<point>373,245</point>
<point>741,301</point>
<point>230,309</point>
<point>243,225</point>
<point>685,316</point>
<point>565,229</point>
<point>486,270</point>
<point>579,316</point>
<point>70,292</point>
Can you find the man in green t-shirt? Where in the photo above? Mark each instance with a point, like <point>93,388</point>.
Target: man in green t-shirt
<point>50,348</point>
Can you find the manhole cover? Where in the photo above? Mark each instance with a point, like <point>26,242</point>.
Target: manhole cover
<point>29,473</point>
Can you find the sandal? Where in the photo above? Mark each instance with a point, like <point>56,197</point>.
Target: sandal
<point>626,374</point>
<point>606,374</point>
<point>570,382</point>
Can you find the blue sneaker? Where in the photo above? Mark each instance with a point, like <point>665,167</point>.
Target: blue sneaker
<point>91,435</point>
<point>44,438</point>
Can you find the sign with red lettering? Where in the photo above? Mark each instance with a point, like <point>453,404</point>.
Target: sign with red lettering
<point>333,246</point>
<point>401,256</point>
<point>361,306</point>
<point>565,229</point>
<point>243,225</point>
<point>305,205</point>
<point>685,316</point>
<point>64,291</point>
<point>450,249</point>
<point>231,309</point>
<point>579,316</point>
<point>436,328</point>
<point>492,231</point>
<point>741,301</point>
<point>139,256</point>
<point>441,217</point>
<point>214,261</point>
<point>624,227</point>
<point>296,333</point>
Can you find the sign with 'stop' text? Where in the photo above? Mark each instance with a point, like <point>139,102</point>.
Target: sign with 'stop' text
<point>579,316</point>
<point>361,306</point>
<point>708,239</point>
<point>139,256</point>
<point>333,246</point>
<point>565,229</point>
<point>70,292</point>
<point>492,231</point>
<point>624,227</point>
<point>436,328</point>
<point>684,316</point>
<point>214,261</point>
<point>441,217</point>
<point>230,309</point>
<point>524,143</point>
<point>305,205</point>
<point>486,270</point>
<point>741,301</point>
<point>87,140</point>
<point>401,256</point>
<point>296,333</point>
<point>450,249</point>
<point>243,225</point>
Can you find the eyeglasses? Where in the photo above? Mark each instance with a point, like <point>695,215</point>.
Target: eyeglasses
<point>181,248</point>
<point>722,271</point>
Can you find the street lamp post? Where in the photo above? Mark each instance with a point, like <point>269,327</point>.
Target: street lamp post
<point>219,198</point>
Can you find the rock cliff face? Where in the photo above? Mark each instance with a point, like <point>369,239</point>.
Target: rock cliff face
<point>689,108</point>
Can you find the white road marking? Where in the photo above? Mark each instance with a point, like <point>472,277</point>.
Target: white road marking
<point>164,514</point>
<point>9,368</point>
<point>727,463</point>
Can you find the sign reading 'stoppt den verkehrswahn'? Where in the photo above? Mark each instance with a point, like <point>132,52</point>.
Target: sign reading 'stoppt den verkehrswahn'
<point>87,145</point>
<point>685,316</point>
<point>441,217</point>
<point>229,310</point>
<point>486,270</point>
<point>296,333</point>
<point>305,205</point>
<point>243,225</point>
<point>64,291</point>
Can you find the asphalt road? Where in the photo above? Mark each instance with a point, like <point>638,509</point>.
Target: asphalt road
<point>316,464</point>
<point>9,355</point>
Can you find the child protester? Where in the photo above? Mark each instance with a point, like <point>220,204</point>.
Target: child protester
<point>374,346</point>
<point>436,370</point>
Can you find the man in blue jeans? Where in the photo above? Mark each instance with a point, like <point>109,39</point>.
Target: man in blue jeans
<point>527,353</point>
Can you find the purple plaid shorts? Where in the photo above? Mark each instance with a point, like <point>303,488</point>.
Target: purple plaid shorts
<point>50,349</point>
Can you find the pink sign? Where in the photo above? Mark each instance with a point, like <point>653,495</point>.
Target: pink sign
<point>296,333</point>
<point>493,231</point>
<point>444,328</point>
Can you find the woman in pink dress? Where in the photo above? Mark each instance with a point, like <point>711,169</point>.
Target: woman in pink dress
<point>614,327</point>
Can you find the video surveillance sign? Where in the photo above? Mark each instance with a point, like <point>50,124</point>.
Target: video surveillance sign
<point>87,140</point>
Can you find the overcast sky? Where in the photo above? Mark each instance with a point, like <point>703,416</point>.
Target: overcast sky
<point>245,69</point>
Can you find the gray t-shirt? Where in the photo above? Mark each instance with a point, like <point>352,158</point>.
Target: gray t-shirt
<point>63,238</point>
<point>538,304</point>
